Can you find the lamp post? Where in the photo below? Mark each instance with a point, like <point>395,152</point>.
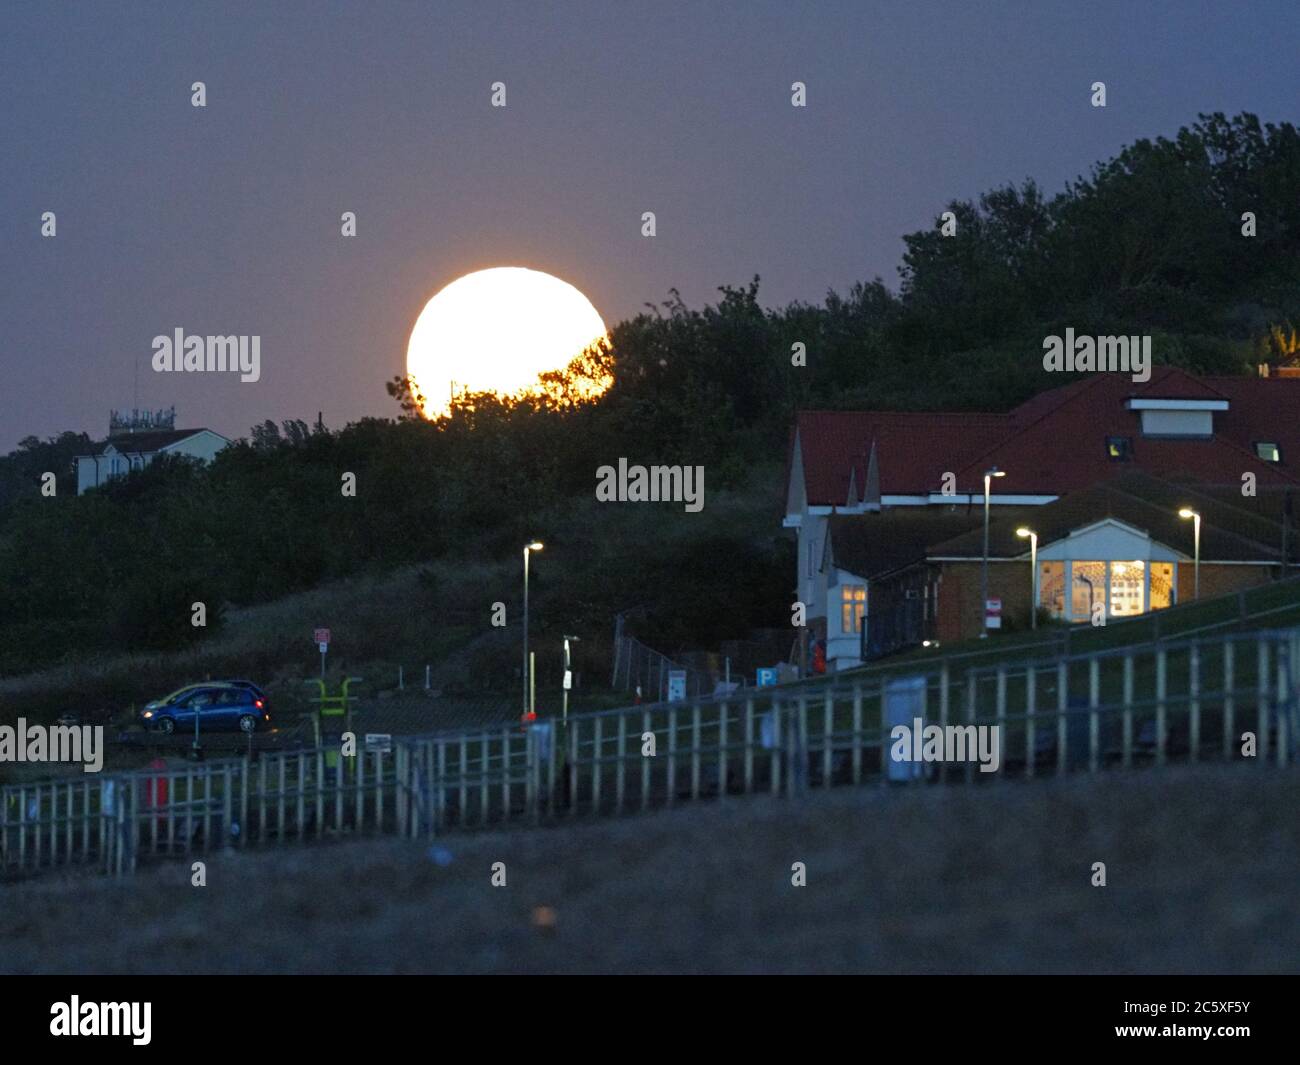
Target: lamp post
<point>1022,532</point>
<point>568,678</point>
<point>984,572</point>
<point>536,545</point>
<point>1188,512</point>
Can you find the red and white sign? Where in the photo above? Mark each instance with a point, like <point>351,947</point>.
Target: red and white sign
<point>993,613</point>
<point>321,636</point>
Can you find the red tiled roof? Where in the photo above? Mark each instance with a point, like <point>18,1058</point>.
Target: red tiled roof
<point>1056,441</point>
<point>912,450</point>
<point>1169,382</point>
<point>1065,448</point>
<point>1261,409</point>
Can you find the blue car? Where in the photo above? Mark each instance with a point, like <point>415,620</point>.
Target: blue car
<point>218,705</point>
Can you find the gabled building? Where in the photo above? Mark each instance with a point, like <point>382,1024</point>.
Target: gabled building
<point>120,454</point>
<point>871,493</point>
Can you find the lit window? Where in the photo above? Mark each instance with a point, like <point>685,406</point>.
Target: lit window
<point>1119,448</point>
<point>1051,587</point>
<point>1269,452</point>
<point>1087,588</point>
<point>1127,589</point>
<point>853,605</point>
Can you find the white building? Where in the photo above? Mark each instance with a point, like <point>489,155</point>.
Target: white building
<point>120,454</point>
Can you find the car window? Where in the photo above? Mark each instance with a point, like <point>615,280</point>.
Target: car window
<point>177,695</point>
<point>199,700</point>
<point>228,697</point>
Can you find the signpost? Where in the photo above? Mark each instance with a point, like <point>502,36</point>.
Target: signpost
<point>993,613</point>
<point>322,638</point>
<point>766,677</point>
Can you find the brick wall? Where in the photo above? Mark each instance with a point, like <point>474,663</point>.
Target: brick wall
<point>960,607</point>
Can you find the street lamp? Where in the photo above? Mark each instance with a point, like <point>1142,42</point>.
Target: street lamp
<point>536,545</point>
<point>984,573</point>
<point>1022,532</point>
<point>1188,512</point>
<point>568,677</point>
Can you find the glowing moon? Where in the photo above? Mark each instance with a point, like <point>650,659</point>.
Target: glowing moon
<point>495,331</point>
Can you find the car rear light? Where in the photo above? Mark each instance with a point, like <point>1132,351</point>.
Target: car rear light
<point>258,704</point>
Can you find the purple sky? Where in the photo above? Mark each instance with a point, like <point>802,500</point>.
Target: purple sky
<point>226,219</point>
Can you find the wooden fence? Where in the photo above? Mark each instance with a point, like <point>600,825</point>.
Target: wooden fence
<point>1190,701</point>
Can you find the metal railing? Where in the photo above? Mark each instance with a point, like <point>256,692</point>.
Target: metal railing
<point>1226,698</point>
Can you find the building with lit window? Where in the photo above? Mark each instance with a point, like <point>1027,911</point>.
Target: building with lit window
<point>888,507</point>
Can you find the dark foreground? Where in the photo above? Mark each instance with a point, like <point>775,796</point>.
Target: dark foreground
<point>1201,868</point>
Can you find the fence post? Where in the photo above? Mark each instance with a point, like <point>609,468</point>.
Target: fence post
<point>484,794</point>
<point>945,697</point>
<point>1162,691</point>
<point>1127,738</point>
<point>777,744</point>
<point>227,805</point>
<point>1283,701</point>
<point>724,711</point>
<point>620,767</point>
<point>1094,702</point>
<point>1031,699</point>
<point>1229,696</point>
<point>672,756</point>
<point>645,763</point>
<point>857,733</point>
<point>243,802</point>
<point>695,752</point>
<point>1062,710</point>
<point>401,790</point>
<point>1262,682</point>
<point>1000,707</point>
<point>828,727</point>
<point>574,725</point>
<point>1194,701</point>
<point>971,682</point>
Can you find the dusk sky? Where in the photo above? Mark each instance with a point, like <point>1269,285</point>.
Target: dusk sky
<point>226,219</point>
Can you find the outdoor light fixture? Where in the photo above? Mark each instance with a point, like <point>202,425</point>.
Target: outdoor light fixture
<point>536,545</point>
<point>1188,512</point>
<point>984,572</point>
<point>1022,532</point>
<point>568,676</point>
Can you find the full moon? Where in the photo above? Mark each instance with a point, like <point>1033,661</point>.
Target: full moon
<point>495,331</point>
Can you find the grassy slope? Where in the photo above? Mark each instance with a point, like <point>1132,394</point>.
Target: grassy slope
<point>381,622</point>
<point>992,879</point>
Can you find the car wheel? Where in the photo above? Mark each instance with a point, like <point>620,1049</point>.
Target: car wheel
<point>166,725</point>
<point>247,723</point>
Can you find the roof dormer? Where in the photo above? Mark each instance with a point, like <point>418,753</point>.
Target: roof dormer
<point>1177,417</point>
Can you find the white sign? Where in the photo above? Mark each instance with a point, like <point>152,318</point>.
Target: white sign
<point>379,741</point>
<point>904,699</point>
<point>676,685</point>
<point>568,680</point>
<point>324,647</point>
<point>993,613</point>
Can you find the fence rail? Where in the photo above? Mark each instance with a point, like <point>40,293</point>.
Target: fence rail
<point>1188,701</point>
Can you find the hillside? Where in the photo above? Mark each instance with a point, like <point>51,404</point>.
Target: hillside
<point>599,559</point>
